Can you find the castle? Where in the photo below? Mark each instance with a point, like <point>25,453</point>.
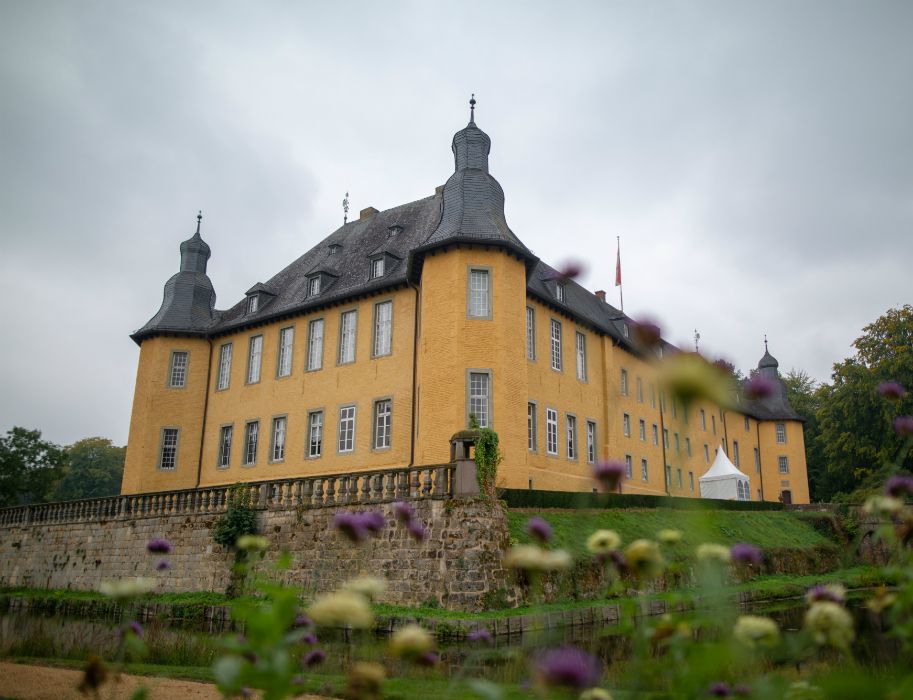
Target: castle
<point>374,347</point>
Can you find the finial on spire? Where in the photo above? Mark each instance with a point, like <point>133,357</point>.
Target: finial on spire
<point>765,342</point>
<point>345,209</point>
<point>199,219</point>
<point>472,109</point>
<point>697,341</point>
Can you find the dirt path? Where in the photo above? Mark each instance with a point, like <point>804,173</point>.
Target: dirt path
<point>49,683</point>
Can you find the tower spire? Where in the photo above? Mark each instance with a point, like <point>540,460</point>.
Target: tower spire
<point>199,219</point>
<point>765,342</point>
<point>472,109</point>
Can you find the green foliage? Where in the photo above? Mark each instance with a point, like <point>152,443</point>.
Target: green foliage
<point>94,469</point>
<point>529,498</point>
<point>488,457</point>
<point>239,518</point>
<point>29,467</point>
<point>804,395</point>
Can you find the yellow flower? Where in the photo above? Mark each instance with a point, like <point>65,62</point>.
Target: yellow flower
<point>882,601</point>
<point>341,608</point>
<point>252,542</point>
<point>532,557</point>
<point>829,623</point>
<point>710,553</point>
<point>127,588</point>
<point>754,631</point>
<point>365,679</point>
<point>411,641</point>
<point>881,505</point>
<point>688,377</point>
<point>603,541</point>
<point>644,559</point>
<point>371,587</point>
<point>595,694</point>
<point>669,536</point>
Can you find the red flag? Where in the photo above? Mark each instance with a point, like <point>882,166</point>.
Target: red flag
<point>618,267</point>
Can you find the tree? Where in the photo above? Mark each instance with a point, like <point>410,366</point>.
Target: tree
<point>95,469</point>
<point>856,435</point>
<point>804,395</point>
<point>29,467</point>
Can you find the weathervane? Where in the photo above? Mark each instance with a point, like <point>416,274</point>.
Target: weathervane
<point>765,342</point>
<point>697,340</point>
<point>472,109</point>
<point>345,209</point>
<point>199,219</point>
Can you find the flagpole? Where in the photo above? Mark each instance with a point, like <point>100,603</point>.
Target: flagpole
<point>621,289</point>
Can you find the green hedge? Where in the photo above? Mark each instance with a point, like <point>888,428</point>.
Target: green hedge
<point>522,498</point>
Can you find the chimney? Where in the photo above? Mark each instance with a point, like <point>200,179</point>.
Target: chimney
<point>366,212</point>
<point>600,293</point>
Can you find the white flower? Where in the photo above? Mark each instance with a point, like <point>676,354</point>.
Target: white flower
<point>710,553</point>
<point>127,588</point>
<point>531,557</point>
<point>341,608</point>
<point>829,624</point>
<point>603,541</point>
<point>754,631</point>
<point>411,641</point>
<point>371,587</point>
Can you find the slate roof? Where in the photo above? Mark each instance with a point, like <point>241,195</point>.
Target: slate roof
<point>773,407</point>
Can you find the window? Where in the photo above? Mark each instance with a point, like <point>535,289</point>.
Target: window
<point>624,382</point>
<point>706,453</point>
<point>757,460</point>
<point>738,491</point>
<point>571,437</point>
<point>177,377</point>
<point>251,437</point>
<point>629,467</point>
<point>642,430</point>
<point>626,425</point>
<point>479,294</point>
<point>530,333</point>
<point>626,330</point>
<point>668,477</point>
<point>652,396</point>
<point>678,478</point>
<point>560,291</point>
<point>383,423</point>
<point>691,481</point>
<point>531,437</point>
<point>286,340</point>
<point>783,464</point>
<point>644,474</point>
<point>277,443</point>
<point>781,433</point>
<point>314,286</point>
<point>383,328</point>
<point>666,438</point>
<point>581,356</point>
<point>377,268</point>
<point>225,435</point>
<point>315,434</point>
<point>168,454</point>
<point>224,366</point>
<point>678,445</point>
<point>640,390</point>
<point>551,431</point>
<point>556,345</point>
<point>655,434</point>
<point>479,398</point>
<point>713,423</point>
<point>674,407</point>
<point>315,344</point>
<point>735,452</point>
<point>688,445</point>
<point>347,325</point>
<point>703,420</point>
<point>747,423</point>
<point>254,356</point>
<point>346,442</point>
<point>590,441</point>
<point>253,303</point>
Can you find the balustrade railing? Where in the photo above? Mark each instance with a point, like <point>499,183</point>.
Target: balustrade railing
<point>354,488</point>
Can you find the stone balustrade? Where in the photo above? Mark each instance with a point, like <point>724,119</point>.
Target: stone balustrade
<point>355,488</point>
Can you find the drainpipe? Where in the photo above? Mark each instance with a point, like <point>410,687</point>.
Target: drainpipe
<point>205,408</point>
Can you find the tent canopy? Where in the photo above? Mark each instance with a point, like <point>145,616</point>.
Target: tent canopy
<point>722,468</point>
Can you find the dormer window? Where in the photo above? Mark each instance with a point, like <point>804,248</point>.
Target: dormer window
<point>626,330</point>
<point>394,230</point>
<point>314,286</point>
<point>253,303</point>
<point>559,291</point>
<point>334,248</point>
<point>377,268</point>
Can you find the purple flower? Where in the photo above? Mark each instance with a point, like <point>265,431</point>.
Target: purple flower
<point>899,485</point>
<point>619,562</point>
<point>539,529</point>
<point>568,271</point>
<point>646,332</point>
<point>479,635</point>
<point>163,565</point>
<point>903,426</point>
<point>310,639</point>
<point>350,525</point>
<point>746,554</point>
<point>760,387</point>
<point>742,690</point>
<point>373,521</point>
<point>417,530</point>
<point>832,594</point>
<point>719,690</point>
<point>569,666</point>
<point>132,627</point>
<point>610,473</point>
<point>403,511</point>
<point>302,620</point>
<point>428,658</point>
<point>159,545</point>
<point>891,390</point>
<point>314,657</point>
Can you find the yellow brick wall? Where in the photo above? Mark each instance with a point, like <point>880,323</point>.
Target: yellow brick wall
<point>156,405</point>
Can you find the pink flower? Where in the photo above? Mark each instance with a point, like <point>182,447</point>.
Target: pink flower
<point>903,426</point>
<point>891,390</point>
<point>610,473</point>
<point>539,529</point>
<point>158,545</point>
<point>569,667</point>
<point>760,387</point>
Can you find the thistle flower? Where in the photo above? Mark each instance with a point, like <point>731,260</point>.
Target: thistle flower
<point>569,667</point>
<point>603,542</point>
<point>647,332</point>
<point>610,473</point>
<point>429,658</point>
<point>618,561</point>
<point>903,426</point>
<point>569,270</point>
<point>365,678</point>
<point>132,627</point>
<point>710,553</point>
<point>829,624</point>
<point>310,639</point>
<point>881,505</point>
<point>479,635</point>
<point>831,592</point>
<point>252,543</point>
<point>531,557</point>
<point>669,536</point>
<point>719,690</point>
<point>340,609</point>
<point>891,390</point>
<point>350,525</point>
<point>371,587</point>
<point>539,529</point>
<point>754,631</point>
<point>417,529</point>
<point>644,559</point>
<point>403,511</point>
<point>743,553</point>
<point>689,377</point>
<point>127,588</point>
<point>372,521</point>
<point>595,694</point>
<point>314,657</point>
<point>302,620</point>
<point>759,387</point>
<point>899,485</point>
<point>158,545</point>
<point>163,565</point>
<point>410,642</point>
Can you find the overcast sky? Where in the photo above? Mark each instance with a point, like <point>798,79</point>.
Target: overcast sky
<point>755,158</point>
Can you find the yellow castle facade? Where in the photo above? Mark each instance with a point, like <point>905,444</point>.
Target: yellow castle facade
<point>374,347</point>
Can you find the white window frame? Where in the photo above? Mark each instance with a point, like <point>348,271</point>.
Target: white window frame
<point>678,444</point>
<point>169,442</point>
<point>478,293</point>
<point>315,434</point>
<point>639,388</point>
<point>555,338</point>
<point>224,377</point>
<point>251,440</point>
<point>226,435</point>
<point>691,481</point>
<point>253,303</point>
<point>580,342</point>
<point>623,382</point>
<point>532,433</point>
<point>781,433</point>
<point>629,467</point>
<point>285,351</point>
<point>590,442</point>
<point>644,469</point>
<point>377,268</point>
<point>177,372</point>
<point>277,441</point>
<point>315,344</point>
<point>655,434</point>
<point>560,292</point>
<point>254,358</point>
<point>626,425</point>
<point>551,431</point>
<point>570,427</point>
<point>383,423</point>
<point>348,336</point>
<point>735,453</point>
<point>314,286</point>
<point>666,438</point>
<point>757,460</point>
<point>688,446</point>
<point>642,430</point>
<point>747,423</point>
<point>783,464</point>
<point>530,333</point>
<point>345,433</point>
<point>478,397</point>
<point>383,329</point>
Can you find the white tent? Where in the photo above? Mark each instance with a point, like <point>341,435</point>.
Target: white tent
<point>724,480</point>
